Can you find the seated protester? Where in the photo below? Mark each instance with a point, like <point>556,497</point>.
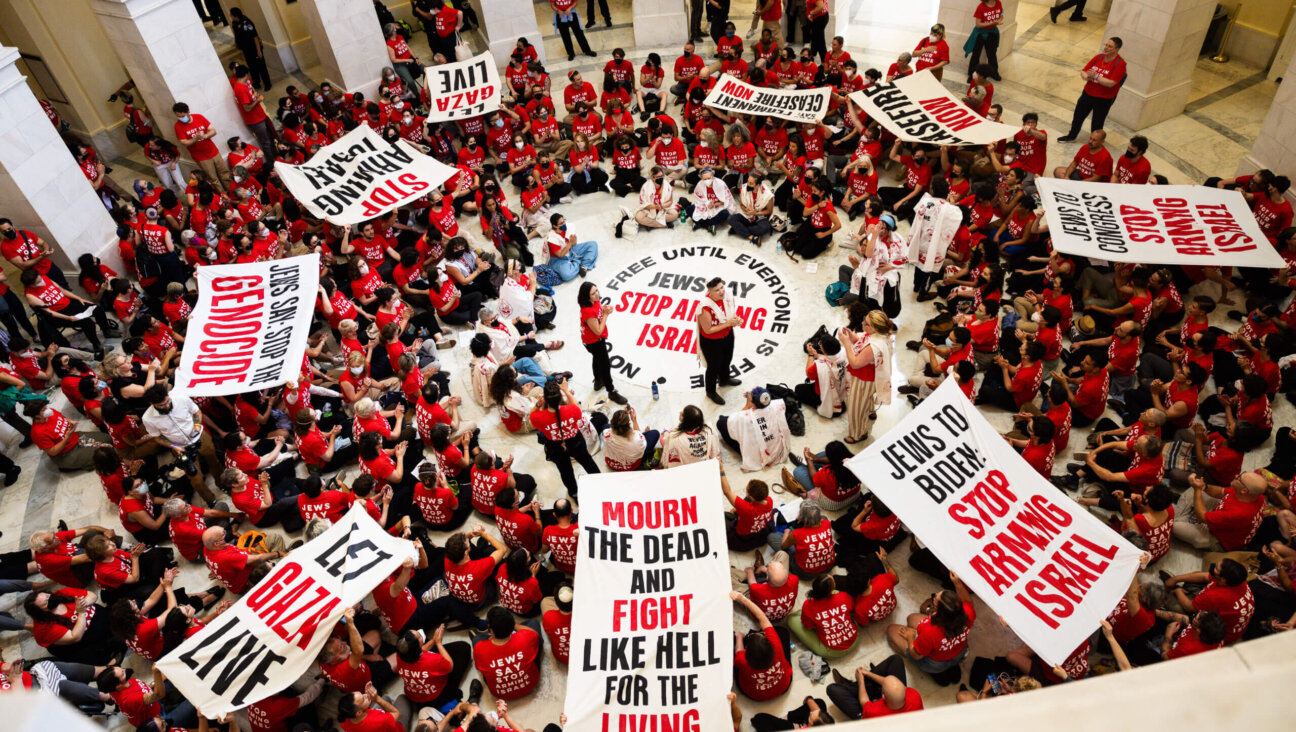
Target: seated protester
<point>518,579</point>
<point>284,709</point>
<point>918,174</point>
<point>431,672</point>
<point>519,525</point>
<point>369,418</point>
<point>1156,521</point>
<point>825,374</point>
<point>874,526</point>
<point>759,432</point>
<point>126,574</point>
<point>1133,467</point>
<point>753,515</point>
<point>232,565</point>
<point>625,446</point>
<point>254,458</point>
<point>808,542</point>
<point>884,686</point>
<point>520,159</point>
<point>1010,387</point>
<point>618,123</point>
<point>826,473</point>
<point>522,645</point>
<point>937,642</point>
<point>821,222</point>
<point>500,225</point>
<point>71,627</point>
<point>877,579</point>
<point>385,465</point>
<point>515,396</point>
<point>1074,668</point>
<point>323,452</point>
<point>138,512</point>
<point>692,441</point>
<point>524,302</point>
<point>750,217</point>
<point>395,601</point>
<point>567,257</point>
<point>69,681</point>
<point>1089,400</point>
<point>935,362</point>
<point>57,307</point>
<point>362,660</point>
<point>1205,632</point>
<point>657,207</point>
<point>461,285</point>
<point>708,153</point>
<point>452,457</point>
<point>771,587</point>
<point>535,206</point>
<point>861,186</point>
<point>739,154</point>
<point>1246,414</point>
<point>367,710</point>
<point>712,202</point>
<point>142,705</point>
<point>60,560</point>
<point>668,153</point>
<point>587,174</point>
<point>761,668</point>
<point>185,524</point>
<point>561,537</point>
<point>556,621</point>
<point>315,502</point>
<point>1150,421</point>
<point>136,625</point>
<point>548,142</point>
<point>469,576</point>
<point>54,434</point>
<point>1228,515</point>
<point>1226,593</point>
<point>1037,449</point>
<point>824,622</point>
<point>1123,347</point>
<point>626,162</point>
<point>1213,456</point>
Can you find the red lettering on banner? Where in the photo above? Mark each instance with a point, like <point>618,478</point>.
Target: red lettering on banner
<point>949,113</point>
<point>736,90</point>
<point>666,514</point>
<point>686,722</point>
<point>651,613</point>
<point>390,193</point>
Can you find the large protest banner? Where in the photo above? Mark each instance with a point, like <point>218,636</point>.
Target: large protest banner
<point>248,330</point>
<point>797,105</point>
<point>1197,225</point>
<point>362,176</point>
<point>652,624</point>
<point>463,89</point>
<point>276,630</point>
<point>1045,564</point>
<point>917,108</point>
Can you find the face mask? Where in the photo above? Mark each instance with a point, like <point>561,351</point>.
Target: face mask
<point>11,234</point>
<point>238,179</point>
<point>357,370</point>
<point>141,489</point>
<point>472,144</point>
<point>499,123</point>
<point>805,59</point>
<point>919,161</point>
<point>518,145</point>
<point>1129,154</point>
<point>291,398</point>
<point>704,143</point>
<point>48,413</point>
<point>408,119</point>
<point>729,34</point>
<point>934,38</point>
<point>687,54</point>
<point>211,256</point>
<point>668,140</point>
<point>364,270</point>
<point>657,181</point>
<point>101,385</point>
<point>562,228</point>
<point>1009,158</point>
<point>185,119</point>
<point>625,149</point>
<point>1037,318</point>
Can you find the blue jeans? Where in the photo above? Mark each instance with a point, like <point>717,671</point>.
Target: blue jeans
<point>582,254</point>
<point>804,476</point>
<point>529,372</point>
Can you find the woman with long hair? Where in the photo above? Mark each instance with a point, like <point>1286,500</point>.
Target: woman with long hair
<point>514,400</point>
<point>692,440</point>
<point>936,640</point>
<point>558,420</point>
<point>824,623</point>
<point>586,175</point>
<point>826,472</point>
<point>816,233</point>
<point>625,446</point>
<point>593,329</point>
<point>500,224</point>
<point>469,274</point>
<point>71,627</point>
<point>868,369</point>
<point>650,93</point>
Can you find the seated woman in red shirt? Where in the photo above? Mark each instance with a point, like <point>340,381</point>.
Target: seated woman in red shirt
<point>1205,633</point>
<point>937,642</point>
<point>522,580</point>
<point>753,516</point>
<point>827,472</point>
<point>761,668</point>
<point>824,623</point>
<point>71,627</point>
<point>861,533</point>
<point>809,542</point>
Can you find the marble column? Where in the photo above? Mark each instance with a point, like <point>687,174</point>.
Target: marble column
<point>956,15</point>
<point>349,42</point>
<point>165,48</point>
<point>1275,146</point>
<point>505,21</point>
<point>41,187</point>
<point>662,22</point>
<point>1163,39</point>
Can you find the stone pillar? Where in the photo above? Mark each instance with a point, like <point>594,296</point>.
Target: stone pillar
<point>165,48</point>
<point>1275,146</point>
<point>505,21</point>
<point>349,42</point>
<point>956,15</point>
<point>1163,39</point>
<point>663,22</point>
<point>41,186</point>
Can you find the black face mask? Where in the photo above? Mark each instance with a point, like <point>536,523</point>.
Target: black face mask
<point>1131,155</point>
<point>11,234</point>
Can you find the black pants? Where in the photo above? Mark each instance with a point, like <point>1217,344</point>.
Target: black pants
<point>989,43</point>
<point>716,18</point>
<point>603,6</point>
<point>598,350</point>
<point>891,197</point>
<point>815,29</point>
<point>561,454</point>
<point>468,307</point>
<point>566,29</point>
<point>695,19</point>
<point>50,324</point>
<point>592,180</point>
<point>257,65</point>
<point>846,696</point>
<point>1078,6</point>
<point>626,181</point>
<point>796,718</point>
<point>1086,104</point>
<point>14,315</point>
<point>808,244</point>
<point>718,353</point>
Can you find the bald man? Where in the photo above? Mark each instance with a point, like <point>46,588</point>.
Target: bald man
<point>776,596</point>
<point>878,691</point>
<point>230,564</point>
<point>1229,515</point>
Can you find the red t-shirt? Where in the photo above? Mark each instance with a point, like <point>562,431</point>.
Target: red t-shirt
<point>753,517</point>
<point>815,551</point>
<point>510,671</point>
<point>563,540</point>
<point>1235,606</point>
<point>936,645</point>
<point>879,603</point>
<point>198,124</point>
<point>517,597</point>
<point>113,574</point>
<point>593,312</point>
<point>48,433</point>
<point>557,627</point>
<point>186,534</point>
<point>467,581</point>
<point>1187,643</point>
<point>349,680</point>
<point>775,602</point>
<point>518,528</point>
<point>426,678</point>
<point>130,701</point>
<point>1090,163</point>
<point>830,619</point>
<point>330,505</point>
<point>552,428</point>
<point>1234,522</point>
<point>1092,394</point>
<point>375,720</point>
<point>272,714</point>
<point>826,481</point>
<point>1113,70</point>
<point>395,611</point>
<point>230,565</point>
<point>57,564</point>
<point>764,684</point>
<point>912,703</point>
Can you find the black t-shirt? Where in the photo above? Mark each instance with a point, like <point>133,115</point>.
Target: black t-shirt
<point>245,33</point>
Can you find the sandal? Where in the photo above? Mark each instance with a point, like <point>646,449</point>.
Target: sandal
<point>554,346</point>
<point>853,440</point>
<point>446,343</point>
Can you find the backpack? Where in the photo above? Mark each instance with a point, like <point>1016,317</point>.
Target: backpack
<point>795,419</point>
<point>546,276</point>
<point>835,292</point>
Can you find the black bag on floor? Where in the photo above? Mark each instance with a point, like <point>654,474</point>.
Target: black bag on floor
<point>795,419</point>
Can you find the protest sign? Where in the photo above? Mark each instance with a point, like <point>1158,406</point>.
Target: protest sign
<point>1039,560</point>
<point>463,89</point>
<point>248,330</point>
<point>272,636</point>
<point>797,105</point>
<point>918,108</point>
<point>655,299</point>
<point>362,176</point>
<point>1192,225</point>
<point>652,623</point>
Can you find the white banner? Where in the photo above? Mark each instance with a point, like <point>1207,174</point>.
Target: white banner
<point>361,177</point>
<point>1045,564</point>
<point>918,108</point>
<point>798,105</point>
<point>249,328</point>
<point>463,89</point>
<point>278,628</point>
<point>652,625</point>
<point>1197,225</point>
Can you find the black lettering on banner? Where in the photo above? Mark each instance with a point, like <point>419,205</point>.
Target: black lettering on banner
<point>250,663</point>
<point>267,374</point>
<point>652,580</point>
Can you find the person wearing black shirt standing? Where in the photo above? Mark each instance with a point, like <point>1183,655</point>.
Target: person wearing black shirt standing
<point>249,42</point>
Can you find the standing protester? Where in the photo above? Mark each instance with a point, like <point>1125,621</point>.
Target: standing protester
<point>1077,14</point>
<point>593,329</point>
<point>567,21</point>
<point>249,43</point>
<point>1103,75</point>
<point>985,37</point>
<point>195,133</point>
<point>716,320</point>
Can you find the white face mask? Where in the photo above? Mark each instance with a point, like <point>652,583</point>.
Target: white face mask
<point>48,413</point>
<point>1037,317</point>
<point>519,145</point>
<point>934,38</point>
<point>704,143</point>
<point>364,269</point>
<point>357,370</point>
<point>291,398</point>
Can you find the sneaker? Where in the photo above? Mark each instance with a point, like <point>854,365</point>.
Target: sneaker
<point>715,397</point>
<point>598,385</point>
<point>436,591</point>
<point>1067,138</point>
<point>908,389</point>
<point>565,199</point>
<point>1078,19</point>
<point>617,397</point>
<point>12,477</point>
<point>927,297</point>
<point>795,459</point>
<point>731,382</point>
<point>1053,14</point>
<point>1074,468</point>
<point>475,690</point>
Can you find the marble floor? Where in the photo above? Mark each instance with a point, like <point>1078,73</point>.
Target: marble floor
<point>1039,75</point>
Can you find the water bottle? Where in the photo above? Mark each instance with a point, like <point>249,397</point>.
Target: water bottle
<point>656,393</point>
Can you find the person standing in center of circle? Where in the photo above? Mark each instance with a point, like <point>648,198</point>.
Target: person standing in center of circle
<point>593,329</point>
<point>716,320</point>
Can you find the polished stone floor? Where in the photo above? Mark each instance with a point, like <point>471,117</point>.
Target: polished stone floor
<point>1040,75</point>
